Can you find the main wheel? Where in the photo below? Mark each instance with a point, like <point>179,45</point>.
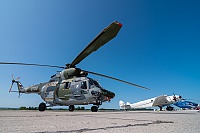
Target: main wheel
<point>160,108</point>
<point>42,107</point>
<point>169,108</point>
<point>71,108</point>
<point>94,108</point>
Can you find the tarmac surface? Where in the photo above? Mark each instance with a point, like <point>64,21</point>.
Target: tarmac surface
<point>99,122</point>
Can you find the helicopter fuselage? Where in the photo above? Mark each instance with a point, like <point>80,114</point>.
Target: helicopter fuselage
<point>73,91</point>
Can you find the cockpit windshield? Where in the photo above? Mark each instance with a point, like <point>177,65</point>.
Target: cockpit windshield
<point>94,82</point>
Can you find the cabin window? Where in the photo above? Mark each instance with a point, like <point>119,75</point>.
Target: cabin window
<point>67,85</point>
<point>84,85</point>
<point>50,88</point>
<point>90,83</point>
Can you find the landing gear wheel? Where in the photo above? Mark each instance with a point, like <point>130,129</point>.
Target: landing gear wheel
<point>169,108</point>
<point>94,108</point>
<point>160,108</point>
<point>71,108</point>
<point>42,107</point>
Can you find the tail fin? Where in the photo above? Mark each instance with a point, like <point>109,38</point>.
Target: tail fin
<point>121,104</point>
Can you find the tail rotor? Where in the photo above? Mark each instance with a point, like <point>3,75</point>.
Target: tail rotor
<point>13,81</point>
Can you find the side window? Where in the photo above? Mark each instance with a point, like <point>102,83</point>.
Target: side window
<point>90,83</point>
<point>84,85</point>
<point>67,85</point>
<point>50,88</point>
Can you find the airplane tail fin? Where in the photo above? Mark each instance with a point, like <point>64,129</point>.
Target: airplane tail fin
<point>121,104</point>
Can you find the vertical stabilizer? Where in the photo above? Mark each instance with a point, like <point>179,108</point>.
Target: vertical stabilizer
<point>121,104</point>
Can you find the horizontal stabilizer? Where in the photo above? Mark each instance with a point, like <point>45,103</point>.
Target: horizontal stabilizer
<point>127,107</point>
<point>122,105</point>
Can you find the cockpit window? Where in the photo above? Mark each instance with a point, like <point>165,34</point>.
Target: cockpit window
<point>67,85</point>
<point>96,84</point>
<point>91,81</point>
<point>50,88</point>
<point>83,85</point>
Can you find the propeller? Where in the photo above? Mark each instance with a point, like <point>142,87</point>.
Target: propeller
<point>13,81</point>
<point>175,98</point>
<point>105,36</point>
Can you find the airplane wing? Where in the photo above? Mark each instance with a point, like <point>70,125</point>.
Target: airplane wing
<point>161,101</point>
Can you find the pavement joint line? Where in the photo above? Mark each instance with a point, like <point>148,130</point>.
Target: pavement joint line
<point>110,127</point>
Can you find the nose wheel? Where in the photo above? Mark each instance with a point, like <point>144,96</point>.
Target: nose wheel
<point>42,107</point>
<point>71,108</point>
<point>94,108</point>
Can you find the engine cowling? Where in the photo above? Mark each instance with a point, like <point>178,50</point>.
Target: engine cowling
<point>71,72</point>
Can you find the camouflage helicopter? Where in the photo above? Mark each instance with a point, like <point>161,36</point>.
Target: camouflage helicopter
<point>72,86</point>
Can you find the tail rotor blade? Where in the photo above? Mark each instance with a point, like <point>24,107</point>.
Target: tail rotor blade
<point>11,87</point>
<point>17,78</point>
<point>13,81</point>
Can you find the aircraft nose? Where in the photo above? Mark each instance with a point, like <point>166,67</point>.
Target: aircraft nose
<point>108,93</point>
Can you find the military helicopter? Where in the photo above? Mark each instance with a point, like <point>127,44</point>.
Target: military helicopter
<point>72,86</point>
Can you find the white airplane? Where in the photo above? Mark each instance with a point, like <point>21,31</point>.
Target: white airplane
<point>159,101</point>
<point>198,107</point>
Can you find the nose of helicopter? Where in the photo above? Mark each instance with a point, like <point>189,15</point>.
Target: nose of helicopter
<point>108,94</point>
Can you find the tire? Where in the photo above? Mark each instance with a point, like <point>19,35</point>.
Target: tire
<point>42,107</point>
<point>169,108</point>
<point>71,108</point>
<point>94,108</point>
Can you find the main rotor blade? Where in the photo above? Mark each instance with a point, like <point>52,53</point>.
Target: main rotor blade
<point>117,79</point>
<point>28,64</point>
<point>106,35</point>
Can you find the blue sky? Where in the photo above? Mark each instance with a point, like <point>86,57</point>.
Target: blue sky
<point>157,47</point>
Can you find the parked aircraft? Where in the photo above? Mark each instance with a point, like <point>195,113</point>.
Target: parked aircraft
<point>186,104</point>
<point>198,107</point>
<point>159,101</point>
